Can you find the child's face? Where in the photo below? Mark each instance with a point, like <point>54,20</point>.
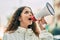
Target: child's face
<point>26,16</point>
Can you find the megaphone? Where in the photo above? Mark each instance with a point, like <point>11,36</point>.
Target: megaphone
<point>48,10</point>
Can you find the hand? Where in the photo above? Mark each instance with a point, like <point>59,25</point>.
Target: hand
<point>42,22</point>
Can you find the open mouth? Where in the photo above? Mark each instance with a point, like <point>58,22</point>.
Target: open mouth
<point>29,19</point>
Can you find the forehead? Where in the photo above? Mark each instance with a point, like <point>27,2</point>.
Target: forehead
<point>27,9</point>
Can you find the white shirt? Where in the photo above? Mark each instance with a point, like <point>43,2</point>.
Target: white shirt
<point>25,34</point>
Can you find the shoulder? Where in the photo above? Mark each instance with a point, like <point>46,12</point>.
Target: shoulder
<point>5,36</point>
<point>46,35</point>
<point>9,36</point>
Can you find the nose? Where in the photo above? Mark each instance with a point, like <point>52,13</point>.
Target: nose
<point>30,14</point>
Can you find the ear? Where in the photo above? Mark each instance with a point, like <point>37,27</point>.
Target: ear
<point>19,18</point>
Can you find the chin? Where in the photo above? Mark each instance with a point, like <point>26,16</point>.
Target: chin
<point>30,23</point>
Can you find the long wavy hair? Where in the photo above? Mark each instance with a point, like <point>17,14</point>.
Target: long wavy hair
<point>14,23</point>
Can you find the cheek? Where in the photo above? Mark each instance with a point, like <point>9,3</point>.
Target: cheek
<point>24,18</point>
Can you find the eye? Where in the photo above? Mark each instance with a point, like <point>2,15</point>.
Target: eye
<point>26,12</point>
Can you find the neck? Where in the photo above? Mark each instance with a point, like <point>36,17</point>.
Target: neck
<point>24,25</point>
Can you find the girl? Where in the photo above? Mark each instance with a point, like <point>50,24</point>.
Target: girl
<point>22,27</point>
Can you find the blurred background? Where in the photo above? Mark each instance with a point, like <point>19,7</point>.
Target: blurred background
<point>7,8</point>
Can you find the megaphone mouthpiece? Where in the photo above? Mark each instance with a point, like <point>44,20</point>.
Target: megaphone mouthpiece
<point>33,18</point>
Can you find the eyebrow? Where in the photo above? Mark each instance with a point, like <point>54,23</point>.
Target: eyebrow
<point>27,10</point>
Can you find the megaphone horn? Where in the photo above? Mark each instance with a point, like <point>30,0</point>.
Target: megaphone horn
<point>49,7</point>
<point>48,10</point>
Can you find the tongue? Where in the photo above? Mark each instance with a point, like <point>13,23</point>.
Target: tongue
<point>33,18</point>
